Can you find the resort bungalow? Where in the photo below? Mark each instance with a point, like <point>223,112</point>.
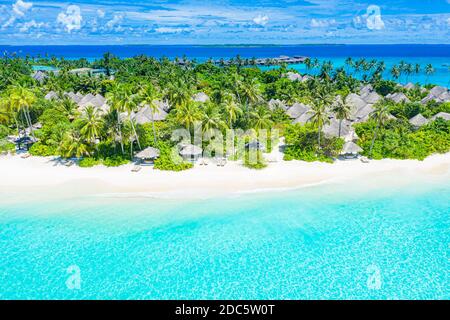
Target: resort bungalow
<point>443,115</point>
<point>147,115</point>
<point>148,155</point>
<point>350,150</point>
<point>200,97</point>
<point>190,152</point>
<point>398,97</point>
<point>418,121</point>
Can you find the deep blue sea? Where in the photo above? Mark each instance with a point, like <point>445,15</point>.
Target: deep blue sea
<point>337,241</point>
<point>437,55</point>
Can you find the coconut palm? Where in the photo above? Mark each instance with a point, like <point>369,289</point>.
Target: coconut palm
<point>21,100</point>
<point>91,125</point>
<point>261,118</point>
<point>73,144</point>
<point>149,95</point>
<point>395,72</point>
<point>233,111</point>
<point>128,99</point>
<point>211,118</point>
<point>429,70</point>
<point>342,112</point>
<point>114,99</point>
<point>349,64</point>
<point>320,115</point>
<point>251,93</point>
<point>380,115</point>
<point>188,114</point>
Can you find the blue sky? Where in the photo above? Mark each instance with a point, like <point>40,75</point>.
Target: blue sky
<point>224,21</point>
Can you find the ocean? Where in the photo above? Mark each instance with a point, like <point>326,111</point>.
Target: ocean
<point>335,241</point>
<point>437,55</point>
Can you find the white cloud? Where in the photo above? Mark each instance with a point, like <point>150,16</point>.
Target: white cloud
<point>71,19</point>
<point>26,26</point>
<point>261,20</point>
<point>169,30</point>
<point>315,23</point>
<point>19,10</point>
<point>101,13</point>
<point>21,7</point>
<point>115,21</point>
<point>448,19</point>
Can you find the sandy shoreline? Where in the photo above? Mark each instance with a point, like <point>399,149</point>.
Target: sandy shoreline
<point>36,173</point>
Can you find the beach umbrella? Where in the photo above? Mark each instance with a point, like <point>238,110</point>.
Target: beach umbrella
<point>190,150</point>
<point>148,153</point>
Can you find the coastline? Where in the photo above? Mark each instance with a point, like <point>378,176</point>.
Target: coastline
<point>45,177</point>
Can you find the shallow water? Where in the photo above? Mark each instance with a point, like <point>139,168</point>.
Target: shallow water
<point>325,242</point>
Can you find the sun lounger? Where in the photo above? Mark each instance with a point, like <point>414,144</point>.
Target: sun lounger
<point>69,163</point>
<point>136,168</point>
<point>364,160</point>
<point>25,156</point>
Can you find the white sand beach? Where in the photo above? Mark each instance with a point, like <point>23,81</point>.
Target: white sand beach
<point>51,177</point>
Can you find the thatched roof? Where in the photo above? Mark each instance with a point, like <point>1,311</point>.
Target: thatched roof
<point>297,110</point>
<point>418,121</point>
<point>190,150</point>
<point>365,89</point>
<point>356,103</point>
<point>294,76</point>
<point>371,97</point>
<point>409,86</point>
<point>148,153</point>
<point>437,91</point>
<point>200,97</point>
<point>351,148</point>
<point>304,118</point>
<point>398,97</point>
<point>443,115</point>
<point>51,95</point>
<point>87,98</point>
<point>363,113</point>
<point>332,129</point>
<point>145,115</point>
<point>39,76</point>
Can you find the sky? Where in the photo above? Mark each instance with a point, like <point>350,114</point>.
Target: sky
<point>224,22</point>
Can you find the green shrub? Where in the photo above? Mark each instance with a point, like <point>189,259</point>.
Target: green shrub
<point>115,161</point>
<point>41,150</point>
<point>249,161</point>
<point>4,131</point>
<point>89,162</point>
<point>7,146</point>
<point>170,160</point>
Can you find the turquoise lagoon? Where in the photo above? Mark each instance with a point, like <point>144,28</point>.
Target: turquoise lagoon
<point>336,241</point>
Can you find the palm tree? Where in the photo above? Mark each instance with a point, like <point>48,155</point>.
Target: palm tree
<point>261,119</point>
<point>429,70</point>
<point>129,103</point>
<point>380,115</point>
<point>211,119</point>
<point>114,98</point>
<point>188,114</point>
<point>320,103</point>
<point>251,93</point>
<point>395,72</point>
<point>342,111</point>
<point>22,99</point>
<point>73,145</point>
<point>232,111</point>
<point>149,95</point>
<point>91,124</point>
<point>349,63</point>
